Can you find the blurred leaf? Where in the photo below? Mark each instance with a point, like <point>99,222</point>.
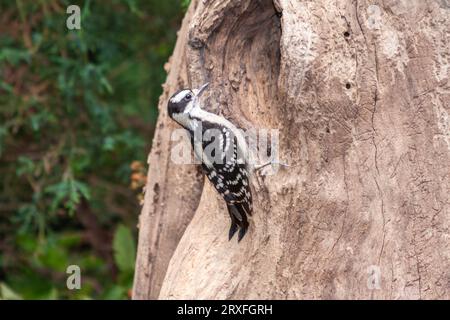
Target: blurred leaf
<point>3,133</point>
<point>115,293</point>
<point>6,87</point>
<point>24,165</point>
<point>14,56</point>
<point>7,293</point>
<point>26,242</point>
<point>51,295</point>
<point>70,239</point>
<point>108,144</point>
<point>106,85</point>
<point>185,4</point>
<point>68,193</point>
<point>54,257</point>
<point>124,249</point>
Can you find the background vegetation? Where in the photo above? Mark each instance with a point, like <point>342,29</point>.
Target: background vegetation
<point>77,111</point>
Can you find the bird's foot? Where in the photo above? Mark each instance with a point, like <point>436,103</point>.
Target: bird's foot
<point>274,165</point>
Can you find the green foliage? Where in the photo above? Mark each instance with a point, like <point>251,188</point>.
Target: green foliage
<point>124,249</point>
<point>124,256</point>
<point>6,293</point>
<point>77,108</point>
<point>185,4</point>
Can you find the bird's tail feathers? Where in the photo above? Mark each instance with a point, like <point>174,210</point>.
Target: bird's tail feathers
<point>238,214</point>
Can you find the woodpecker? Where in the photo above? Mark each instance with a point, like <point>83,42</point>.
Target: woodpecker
<point>226,167</point>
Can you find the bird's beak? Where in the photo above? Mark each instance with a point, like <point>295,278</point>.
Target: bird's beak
<point>200,90</point>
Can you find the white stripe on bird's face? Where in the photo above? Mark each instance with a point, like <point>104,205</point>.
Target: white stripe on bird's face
<point>180,96</point>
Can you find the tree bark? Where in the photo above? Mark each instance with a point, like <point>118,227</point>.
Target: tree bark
<point>172,192</point>
<point>360,93</point>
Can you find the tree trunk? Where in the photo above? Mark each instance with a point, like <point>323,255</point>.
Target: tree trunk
<point>360,93</point>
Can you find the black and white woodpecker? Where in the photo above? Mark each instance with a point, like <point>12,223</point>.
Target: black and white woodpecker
<point>227,167</point>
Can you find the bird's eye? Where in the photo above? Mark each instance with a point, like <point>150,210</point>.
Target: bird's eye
<point>188,96</point>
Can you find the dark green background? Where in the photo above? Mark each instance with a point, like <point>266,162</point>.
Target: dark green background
<point>77,113</point>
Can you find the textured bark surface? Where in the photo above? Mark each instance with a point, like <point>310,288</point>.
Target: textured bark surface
<point>360,92</point>
<point>172,191</point>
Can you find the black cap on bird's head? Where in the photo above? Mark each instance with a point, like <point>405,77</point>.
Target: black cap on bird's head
<point>184,100</point>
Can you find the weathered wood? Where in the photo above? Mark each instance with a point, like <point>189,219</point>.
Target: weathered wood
<point>172,191</point>
<point>360,93</point>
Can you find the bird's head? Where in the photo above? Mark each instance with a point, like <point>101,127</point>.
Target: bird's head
<point>183,101</point>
